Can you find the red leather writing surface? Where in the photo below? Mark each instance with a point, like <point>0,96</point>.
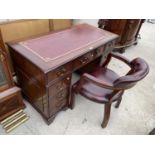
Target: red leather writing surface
<point>60,44</point>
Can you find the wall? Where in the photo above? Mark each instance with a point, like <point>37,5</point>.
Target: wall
<point>89,21</point>
<point>3,20</point>
<point>6,20</point>
<point>75,21</point>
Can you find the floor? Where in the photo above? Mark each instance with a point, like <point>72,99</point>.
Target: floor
<point>136,114</point>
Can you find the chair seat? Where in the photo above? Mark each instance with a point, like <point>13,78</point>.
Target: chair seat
<point>99,94</point>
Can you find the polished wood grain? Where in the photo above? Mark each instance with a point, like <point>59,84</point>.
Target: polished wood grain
<point>127,29</point>
<point>104,86</point>
<point>10,96</point>
<point>10,102</point>
<point>5,66</point>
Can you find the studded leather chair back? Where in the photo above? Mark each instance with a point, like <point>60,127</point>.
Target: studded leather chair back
<point>139,69</point>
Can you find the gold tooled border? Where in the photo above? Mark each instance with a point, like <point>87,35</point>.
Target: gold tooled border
<point>24,44</point>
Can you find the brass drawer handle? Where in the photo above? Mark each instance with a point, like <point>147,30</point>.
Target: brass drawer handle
<point>59,87</point>
<point>62,84</point>
<point>68,78</point>
<point>93,54</point>
<point>84,60</point>
<point>60,96</point>
<point>61,72</point>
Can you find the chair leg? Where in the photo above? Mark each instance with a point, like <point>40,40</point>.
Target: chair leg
<point>72,102</point>
<point>118,102</point>
<point>107,109</point>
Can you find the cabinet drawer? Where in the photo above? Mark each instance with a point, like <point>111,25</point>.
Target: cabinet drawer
<point>56,106</point>
<point>81,61</point>
<point>58,101</point>
<point>61,95</point>
<point>59,86</point>
<point>59,72</point>
<point>88,57</point>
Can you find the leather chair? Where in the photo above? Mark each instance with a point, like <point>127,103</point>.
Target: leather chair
<point>104,86</point>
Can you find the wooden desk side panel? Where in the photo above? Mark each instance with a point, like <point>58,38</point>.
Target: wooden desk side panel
<point>32,81</point>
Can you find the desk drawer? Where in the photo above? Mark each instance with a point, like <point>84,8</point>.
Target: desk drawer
<point>57,106</point>
<point>59,72</point>
<point>58,101</point>
<point>81,61</point>
<point>59,86</point>
<point>61,95</point>
<point>88,57</point>
<point>95,57</point>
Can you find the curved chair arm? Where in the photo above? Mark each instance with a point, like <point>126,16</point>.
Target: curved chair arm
<point>122,58</point>
<point>117,56</point>
<point>92,79</point>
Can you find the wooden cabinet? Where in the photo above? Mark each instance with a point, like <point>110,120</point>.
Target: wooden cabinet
<point>10,102</point>
<point>4,76</point>
<point>127,29</point>
<point>10,97</point>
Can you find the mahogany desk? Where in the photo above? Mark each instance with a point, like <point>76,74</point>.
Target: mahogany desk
<point>44,65</point>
